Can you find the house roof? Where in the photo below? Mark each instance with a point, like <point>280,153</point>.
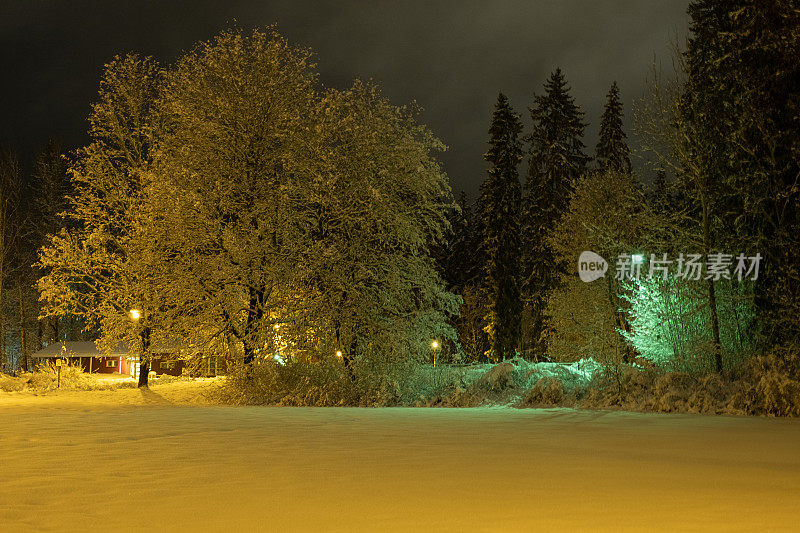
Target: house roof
<point>90,349</point>
<point>79,349</point>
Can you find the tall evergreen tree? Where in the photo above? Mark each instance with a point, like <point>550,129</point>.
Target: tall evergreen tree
<point>759,73</point>
<point>501,197</point>
<point>659,196</point>
<point>739,123</point>
<point>557,159</point>
<point>458,257</point>
<point>612,152</point>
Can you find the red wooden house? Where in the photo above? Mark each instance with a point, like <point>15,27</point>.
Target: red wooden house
<point>117,361</point>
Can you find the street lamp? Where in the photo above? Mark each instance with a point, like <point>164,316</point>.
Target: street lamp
<point>135,316</point>
<point>434,346</point>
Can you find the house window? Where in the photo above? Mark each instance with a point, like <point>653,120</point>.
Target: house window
<point>111,362</point>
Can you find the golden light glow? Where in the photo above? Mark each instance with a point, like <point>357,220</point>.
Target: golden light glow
<point>135,314</point>
<point>435,344</point>
<point>339,354</point>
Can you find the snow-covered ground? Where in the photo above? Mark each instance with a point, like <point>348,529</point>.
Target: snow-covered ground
<point>145,460</point>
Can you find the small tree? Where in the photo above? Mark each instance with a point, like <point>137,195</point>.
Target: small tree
<point>670,329</point>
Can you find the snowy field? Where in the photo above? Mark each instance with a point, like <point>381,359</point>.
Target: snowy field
<point>133,460</point>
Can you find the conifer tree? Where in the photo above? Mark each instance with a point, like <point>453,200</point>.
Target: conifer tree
<point>612,152</point>
<point>556,160</point>
<point>456,264</point>
<point>756,73</point>
<point>501,197</point>
<point>51,187</point>
<point>737,142</point>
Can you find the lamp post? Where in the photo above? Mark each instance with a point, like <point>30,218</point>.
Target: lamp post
<point>434,346</point>
<point>135,316</point>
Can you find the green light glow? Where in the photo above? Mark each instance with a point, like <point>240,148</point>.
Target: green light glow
<point>670,324</point>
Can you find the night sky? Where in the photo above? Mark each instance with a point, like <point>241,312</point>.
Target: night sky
<point>451,57</point>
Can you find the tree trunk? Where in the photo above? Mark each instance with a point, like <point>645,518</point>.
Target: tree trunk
<point>348,357</point>
<point>144,372</point>
<point>39,335</point>
<point>144,358</point>
<point>22,339</point>
<point>617,320</point>
<point>712,296</point>
<point>249,355</point>
<point>712,301</point>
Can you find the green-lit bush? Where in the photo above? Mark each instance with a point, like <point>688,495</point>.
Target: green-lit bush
<point>671,325</point>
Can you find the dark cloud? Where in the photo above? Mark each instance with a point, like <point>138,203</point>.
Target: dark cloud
<point>451,57</point>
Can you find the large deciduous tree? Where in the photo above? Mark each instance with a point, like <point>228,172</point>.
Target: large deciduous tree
<point>378,200</point>
<point>231,175</point>
<point>305,214</point>
<point>101,266</point>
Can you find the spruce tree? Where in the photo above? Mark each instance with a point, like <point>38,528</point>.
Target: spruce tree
<point>612,152</point>
<point>556,160</point>
<point>459,253</point>
<point>501,197</point>
<point>758,72</point>
<point>738,119</point>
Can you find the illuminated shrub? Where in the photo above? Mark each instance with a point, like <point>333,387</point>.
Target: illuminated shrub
<point>671,326</point>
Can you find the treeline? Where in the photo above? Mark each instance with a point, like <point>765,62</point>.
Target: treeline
<point>231,199</point>
<point>722,138</point>
<point>501,257</point>
<point>30,207</point>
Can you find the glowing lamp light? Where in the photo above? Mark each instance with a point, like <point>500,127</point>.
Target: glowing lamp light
<point>435,344</point>
<point>135,314</point>
<point>339,354</point>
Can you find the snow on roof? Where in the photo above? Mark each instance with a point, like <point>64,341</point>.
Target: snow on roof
<point>89,349</point>
<point>79,349</point>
